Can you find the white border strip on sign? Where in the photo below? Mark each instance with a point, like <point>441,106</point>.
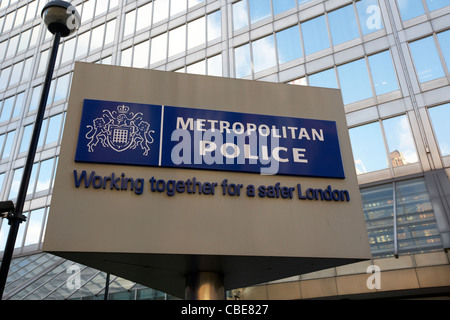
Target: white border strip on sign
<point>161,135</point>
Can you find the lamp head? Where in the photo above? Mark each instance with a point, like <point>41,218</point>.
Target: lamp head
<point>62,17</point>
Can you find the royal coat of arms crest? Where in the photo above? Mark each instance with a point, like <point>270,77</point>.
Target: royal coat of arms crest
<point>120,130</point>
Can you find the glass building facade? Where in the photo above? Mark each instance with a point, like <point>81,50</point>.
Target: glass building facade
<point>389,58</point>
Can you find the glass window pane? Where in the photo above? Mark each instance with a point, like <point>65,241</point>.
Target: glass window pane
<point>259,10</point>
<point>4,77</point>
<point>97,37</point>
<point>12,46</point>
<point>315,35</point>
<point>439,118</point>
<point>45,175</point>
<point>34,227</point>
<point>54,129</point>
<point>177,6</point>
<point>368,148</point>
<point>197,68</point>
<point>35,98</point>
<point>240,15</point>
<point>110,32</point>
<point>355,82</point>
<point>369,14</point>
<point>343,25</point>
<point>264,53</point>
<point>130,19</point>
<point>214,26</point>
<point>410,8</point>
<point>383,73</point>
<point>82,44</point>
<point>8,144</point>
<point>144,16</point>
<point>15,185</point>
<point>68,50</point>
<point>26,137</point>
<point>7,108</point>
<point>444,42</point>
<point>325,79</point>
<point>16,73</point>
<point>378,207</point>
<point>282,5</point>
<point>158,48</point>
<point>24,40</point>
<point>140,57</point>
<point>177,40</point>
<point>400,141</point>
<point>242,60</point>
<point>215,66</point>
<point>19,104</point>
<point>62,87</point>
<point>161,10</point>
<point>426,59</point>
<point>126,56</point>
<point>437,4</point>
<point>196,32</point>
<point>289,44</point>
<point>416,223</point>
<point>88,11</point>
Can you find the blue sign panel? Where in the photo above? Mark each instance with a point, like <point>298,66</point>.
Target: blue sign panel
<point>153,135</point>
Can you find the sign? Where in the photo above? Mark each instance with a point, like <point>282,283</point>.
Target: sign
<point>154,135</point>
<point>161,175</point>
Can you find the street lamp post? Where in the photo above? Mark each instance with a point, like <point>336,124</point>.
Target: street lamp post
<point>61,19</point>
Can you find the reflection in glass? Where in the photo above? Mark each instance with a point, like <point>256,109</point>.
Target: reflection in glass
<point>410,9</point>
<point>439,118</point>
<point>144,16</point>
<point>130,19</point>
<point>444,42</point>
<point>196,33</point>
<point>54,129</point>
<point>315,35</point>
<point>242,61</point>
<point>436,4</point>
<point>426,59</point>
<point>26,138</point>
<point>140,55</point>
<point>97,35</point>
<point>34,227</point>
<point>45,175</point>
<point>378,207</point>
<point>355,82</point>
<point>416,223</point>
<point>368,148</point>
<point>177,40</point>
<point>214,25</point>
<point>14,190</point>
<point>197,68</point>
<point>161,10</point>
<point>343,25</point>
<point>259,10</point>
<point>264,53</point>
<point>400,141</point>
<point>158,48</point>
<point>177,6</point>
<point>7,108</point>
<point>240,16</point>
<point>325,79</point>
<point>383,73</point>
<point>215,66</point>
<point>8,144</point>
<point>288,44</point>
<point>283,5</point>
<point>369,14</point>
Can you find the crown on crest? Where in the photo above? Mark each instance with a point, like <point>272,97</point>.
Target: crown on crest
<point>123,109</point>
